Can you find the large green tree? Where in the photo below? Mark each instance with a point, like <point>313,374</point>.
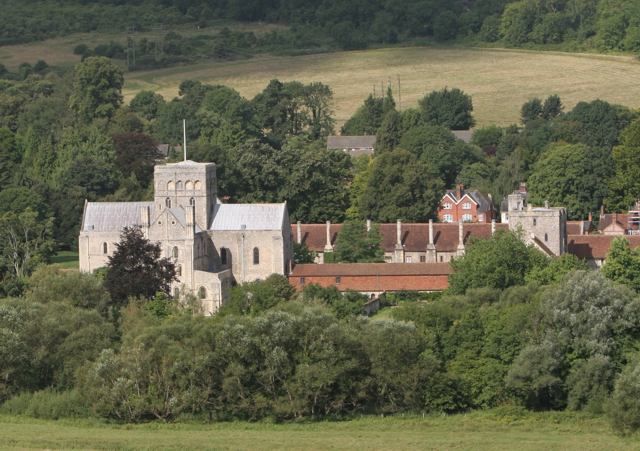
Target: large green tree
<point>97,89</point>
<point>449,108</point>
<point>401,186</point>
<point>573,176</point>
<point>356,244</point>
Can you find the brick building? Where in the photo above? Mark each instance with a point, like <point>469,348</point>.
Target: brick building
<point>462,205</point>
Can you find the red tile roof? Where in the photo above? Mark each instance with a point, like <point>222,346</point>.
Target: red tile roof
<point>596,247</point>
<point>415,236</point>
<point>372,269</point>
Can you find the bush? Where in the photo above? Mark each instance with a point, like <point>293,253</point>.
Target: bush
<point>47,404</point>
<point>624,407</point>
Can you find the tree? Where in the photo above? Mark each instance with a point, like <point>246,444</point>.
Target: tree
<point>623,264</point>
<point>573,176</point>
<point>401,187</point>
<point>147,104</point>
<point>97,89</point>
<point>367,119</point>
<point>556,270</point>
<point>356,244</point>
<point>389,133</point>
<point>624,186</point>
<point>448,108</point>
<point>25,241</point>
<point>599,123</point>
<point>258,296</point>
<point>499,262</point>
<point>136,269</point>
<point>531,110</point>
<point>9,157</point>
<point>136,153</point>
<point>552,107</point>
<point>624,409</point>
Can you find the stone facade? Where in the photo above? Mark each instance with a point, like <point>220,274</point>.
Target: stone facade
<point>213,245</point>
<point>543,227</point>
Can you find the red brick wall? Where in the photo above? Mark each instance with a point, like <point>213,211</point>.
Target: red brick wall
<point>457,211</point>
<point>376,283</point>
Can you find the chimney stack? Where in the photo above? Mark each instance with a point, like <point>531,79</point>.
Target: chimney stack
<point>459,190</point>
<point>368,225</point>
<point>523,187</point>
<point>299,232</point>
<point>431,232</point>
<point>590,217</point>
<point>328,247</point>
<point>460,238</point>
<point>399,233</point>
<point>581,227</point>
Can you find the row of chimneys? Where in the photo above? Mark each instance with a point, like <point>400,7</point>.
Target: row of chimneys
<point>329,247</point>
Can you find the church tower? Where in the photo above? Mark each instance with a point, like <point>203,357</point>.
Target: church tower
<point>187,184</point>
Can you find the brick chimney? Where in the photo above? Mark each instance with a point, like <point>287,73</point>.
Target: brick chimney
<point>460,238</point>
<point>299,232</point>
<point>328,247</point>
<point>398,254</point>
<point>459,190</point>
<point>431,248</point>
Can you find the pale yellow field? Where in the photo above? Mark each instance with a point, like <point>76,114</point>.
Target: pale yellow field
<point>500,81</point>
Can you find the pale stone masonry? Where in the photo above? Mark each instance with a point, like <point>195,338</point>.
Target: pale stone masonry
<point>213,245</point>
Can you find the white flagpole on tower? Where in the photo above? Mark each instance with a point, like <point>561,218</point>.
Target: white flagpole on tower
<point>184,135</point>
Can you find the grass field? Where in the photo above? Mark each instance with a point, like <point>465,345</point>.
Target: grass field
<point>500,81</point>
<point>477,431</point>
<point>65,260</point>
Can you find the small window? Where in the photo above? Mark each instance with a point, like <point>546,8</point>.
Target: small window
<point>256,256</point>
<point>202,293</point>
<point>174,252</point>
<point>423,259</point>
<point>441,259</point>
<point>192,201</point>
<point>301,280</point>
<point>467,218</point>
<point>170,186</point>
<point>535,221</point>
<point>188,185</point>
<point>105,248</point>
<point>447,218</point>
<point>223,256</point>
<point>446,206</point>
<point>167,202</point>
<point>408,259</point>
<point>197,185</point>
<point>179,270</point>
<point>338,279</point>
<point>466,206</point>
<point>176,293</point>
<point>546,237</point>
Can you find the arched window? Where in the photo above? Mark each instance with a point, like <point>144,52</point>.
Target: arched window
<point>192,201</point>
<point>176,293</point>
<point>198,185</point>
<point>167,202</point>
<point>179,270</point>
<point>105,248</point>
<point>170,186</point>
<point>202,293</point>
<point>546,237</point>
<point>188,185</point>
<point>174,252</point>
<point>223,256</point>
<point>256,256</point>
<point>179,184</point>
<point>535,221</point>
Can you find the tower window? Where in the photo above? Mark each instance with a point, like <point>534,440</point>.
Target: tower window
<point>179,184</point>
<point>179,270</point>
<point>174,253</point>
<point>535,221</point>
<point>105,248</point>
<point>176,293</point>
<point>167,202</point>
<point>192,201</point>
<point>188,185</point>
<point>256,256</point>
<point>202,293</point>
<point>223,256</point>
<point>546,237</point>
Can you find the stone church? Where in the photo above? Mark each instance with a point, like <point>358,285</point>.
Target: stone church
<point>213,245</point>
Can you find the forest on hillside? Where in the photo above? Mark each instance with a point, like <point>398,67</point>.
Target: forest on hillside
<point>605,25</point>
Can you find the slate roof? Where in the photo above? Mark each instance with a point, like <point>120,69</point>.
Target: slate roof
<point>415,236</point>
<point>112,216</point>
<point>371,269</point>
<point>484,203</point>
<point>248,216</point>
<point>351,142</point>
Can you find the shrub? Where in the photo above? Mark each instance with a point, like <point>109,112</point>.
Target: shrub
<point>47,404</point>
<point>624,407</point>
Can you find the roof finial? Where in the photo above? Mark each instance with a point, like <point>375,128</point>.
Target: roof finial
<point>184,135</point>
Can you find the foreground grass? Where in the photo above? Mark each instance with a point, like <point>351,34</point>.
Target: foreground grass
<point>500,81</point>
<point>477,431</point>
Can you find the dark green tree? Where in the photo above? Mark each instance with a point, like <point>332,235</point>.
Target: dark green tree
<point>147,104</point>
<point>450,108</point>
<point>623,264</point>
<point>136,269</point>
<point>356,244</point>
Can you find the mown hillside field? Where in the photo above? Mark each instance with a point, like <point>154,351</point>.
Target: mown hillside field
<point>499,81</point>
<point>478,431</point>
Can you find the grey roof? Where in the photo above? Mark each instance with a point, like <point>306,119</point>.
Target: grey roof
<point>249,216</point>
<point>463,135</point>
<point>112,216</point>
<point>181,216</point>
<point>484,203</point>
<point>351,142</point>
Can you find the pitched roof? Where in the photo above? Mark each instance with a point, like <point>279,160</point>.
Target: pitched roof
<point>596,247</point>
<point>573,227</point>
<point>616,219</point>
<point>351,142</point>
<point>415,236</point>
<point>463,135</point>
<point>249,216</point>
<point>483,202</point>
<point>112,216</point>
<point>372,269</point>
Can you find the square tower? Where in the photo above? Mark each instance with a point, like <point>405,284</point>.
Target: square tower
<point>185,184</point>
